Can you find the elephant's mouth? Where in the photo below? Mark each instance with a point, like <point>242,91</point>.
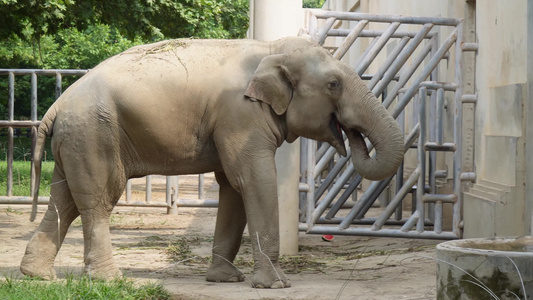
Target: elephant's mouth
<point>338,140</point>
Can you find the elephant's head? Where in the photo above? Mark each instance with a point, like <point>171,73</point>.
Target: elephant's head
<point>321,97</point>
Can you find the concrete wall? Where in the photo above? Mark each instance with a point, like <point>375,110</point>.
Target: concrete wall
<point>500,201</point>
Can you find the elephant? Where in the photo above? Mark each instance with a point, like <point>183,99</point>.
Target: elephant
<point>190,106</point>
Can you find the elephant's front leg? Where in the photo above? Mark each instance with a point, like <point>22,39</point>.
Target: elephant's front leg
<point>231,220</point>
<point>263,224</point>
<point>257,182</point>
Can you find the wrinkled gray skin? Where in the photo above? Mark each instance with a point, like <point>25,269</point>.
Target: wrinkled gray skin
<point>195,106</point>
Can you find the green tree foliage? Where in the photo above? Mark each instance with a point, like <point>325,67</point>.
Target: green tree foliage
<point>78,34</point>
<point>313,3</point>
<point>147,19</point>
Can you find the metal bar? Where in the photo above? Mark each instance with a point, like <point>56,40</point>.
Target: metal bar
<point>344,197</point>
<point>440,116</point>
<point>388,62</point>
<point>330,196</point>
<point>373,192</point>
<point>433,85</point>
<point>438,217</point>
<point>354,16</point>
<point>365,53</point>
<point>375,33</point>
<point>421,159</point>
<point>325,159</point>
<point>201,194</point>
<point>323,150</point>
<point>433,146</point>
<point>398,215</point>
<point>332,174</point>
<point>409,140</point>
<point>311,146</point>
<point>469,98</point>
<point>402,59</point>
<point>148,188</point>
<point>350,39</point>
<point>468,176</point>
<point>397,200</point>
<point>424,74</point>
<point>411,222</point>
<point>445,198</point>
<point>470,47</point>
<point>10,141</point>
<point>362,206</point>
<point>303,187</point>
<point>382,233</point>
<point>323,31</point>
<point>364,221</point>
<point>368,59</point>
<point>33,103</point>
<point>46,72</point>
<point>19,124</point>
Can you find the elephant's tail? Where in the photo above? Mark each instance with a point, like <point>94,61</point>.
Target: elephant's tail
<point>44,131</point>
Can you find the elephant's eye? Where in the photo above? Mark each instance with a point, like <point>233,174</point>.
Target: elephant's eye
<point>333,84</point>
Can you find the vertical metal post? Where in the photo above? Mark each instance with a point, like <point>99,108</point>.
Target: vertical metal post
<point>311,147</point>
<point>128,191</point>
<point>172,195</point>
<point>421,160</point>
<point>303,170</point>
<point>148,188</point>
<point>10,142</point>
<point>33,97</point>
<point>201,187</point>
<point>439,137</point>
<point>399,174</point>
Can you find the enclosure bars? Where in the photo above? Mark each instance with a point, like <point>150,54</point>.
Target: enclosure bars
<point>426,195</point>
<point>171,202</point>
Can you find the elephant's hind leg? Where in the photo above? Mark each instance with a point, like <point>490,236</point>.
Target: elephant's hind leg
<point>38,260</point>
<point>95,210</point>
<point>231,220</point>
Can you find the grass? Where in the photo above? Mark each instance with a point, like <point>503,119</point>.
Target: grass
<point>22,165</point>
<point>22,148</point>
<point>21,178</point>
<point>83,287</point>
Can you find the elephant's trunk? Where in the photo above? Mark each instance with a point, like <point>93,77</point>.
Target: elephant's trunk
<point>369,118</point>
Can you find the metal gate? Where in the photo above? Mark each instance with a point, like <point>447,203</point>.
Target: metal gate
<point>414,56</point>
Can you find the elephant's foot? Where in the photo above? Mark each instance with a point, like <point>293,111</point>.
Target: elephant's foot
<point>224,273</point>
<point>269,277</point>
<point>106,271</point>
<point>38,260</point>
<point>35,270</point>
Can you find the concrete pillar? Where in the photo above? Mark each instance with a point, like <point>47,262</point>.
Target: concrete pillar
<point>271,20</point>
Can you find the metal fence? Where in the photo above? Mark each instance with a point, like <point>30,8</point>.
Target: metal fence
<point>407,78</point>
<point>170,191</point>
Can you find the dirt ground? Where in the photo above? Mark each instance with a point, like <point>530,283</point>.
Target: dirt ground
<point>174,250</point>
<point>346,268</point>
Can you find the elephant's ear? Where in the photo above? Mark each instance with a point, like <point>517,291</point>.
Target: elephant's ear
<point>271,83</point>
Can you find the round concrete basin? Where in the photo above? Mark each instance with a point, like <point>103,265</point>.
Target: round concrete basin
<point>497,268</point>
